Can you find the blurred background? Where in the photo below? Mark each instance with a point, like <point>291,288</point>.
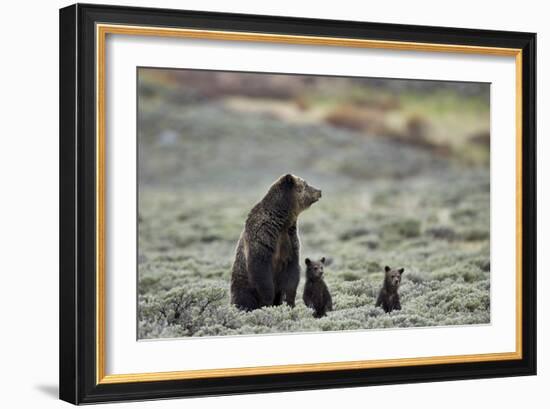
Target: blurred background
<point>404,169</point>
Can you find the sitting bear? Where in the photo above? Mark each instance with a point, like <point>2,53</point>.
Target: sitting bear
<point>316,293</point>
<point>266,270</point>
<point>388,297</point>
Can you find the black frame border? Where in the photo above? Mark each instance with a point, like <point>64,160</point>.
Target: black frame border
<point>77,316</point>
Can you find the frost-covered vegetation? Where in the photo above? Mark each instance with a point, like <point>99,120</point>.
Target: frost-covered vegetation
<point>205,160</point>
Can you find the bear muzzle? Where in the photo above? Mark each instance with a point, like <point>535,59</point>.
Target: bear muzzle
<point>317,193</point>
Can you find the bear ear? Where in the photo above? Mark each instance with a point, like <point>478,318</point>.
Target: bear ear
<point>401,270</point>
<point>323,260</point>
<point>308,261</point>
<point>288,180</point>
<point>387,268</point>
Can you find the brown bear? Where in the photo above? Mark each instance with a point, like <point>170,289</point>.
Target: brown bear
<point>316,293</point>
<point>266,270</point>
<point>388,298</point>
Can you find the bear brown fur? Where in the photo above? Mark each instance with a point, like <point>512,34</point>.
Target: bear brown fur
<point>388,298</point>
<point>266,270</point>
<point>316,293</point>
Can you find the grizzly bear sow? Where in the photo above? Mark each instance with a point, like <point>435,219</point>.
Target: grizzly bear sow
<point>266,270</point>
<point>388,298</point>
<point>316,293</point>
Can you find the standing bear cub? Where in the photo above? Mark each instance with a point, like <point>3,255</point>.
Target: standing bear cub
<point>388,297</point>
<point>316,293</point>
<point>266,270</point>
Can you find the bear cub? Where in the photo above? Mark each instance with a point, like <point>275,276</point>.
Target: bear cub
<point>388,298</point>
<point>316,293</point>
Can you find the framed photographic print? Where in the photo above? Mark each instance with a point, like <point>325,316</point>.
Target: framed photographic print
<point>257,203</point>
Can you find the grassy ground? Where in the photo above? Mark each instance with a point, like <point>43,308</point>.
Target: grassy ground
<point>204,164</point>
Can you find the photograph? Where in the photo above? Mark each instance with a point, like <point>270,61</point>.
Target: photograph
<point>271,203</point>
<point>275,205</point>
<point>259,203</point>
